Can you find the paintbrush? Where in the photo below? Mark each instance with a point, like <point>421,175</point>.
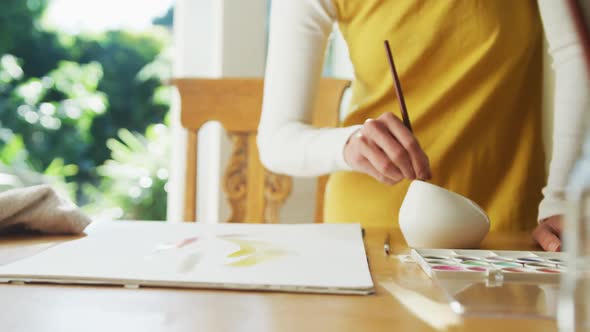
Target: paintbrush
<point>386,245</point>
<point>398,89</point>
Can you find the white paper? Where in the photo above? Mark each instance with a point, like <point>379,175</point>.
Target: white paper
<point>306,257</point>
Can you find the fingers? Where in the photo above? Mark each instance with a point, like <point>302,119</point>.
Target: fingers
<point>418,158</point>
<point>547,239</point>
<point>380,135</point>
<point>379,162</point>
<point>366,167</point>
<point>555,224</point>
<point>385,149</point>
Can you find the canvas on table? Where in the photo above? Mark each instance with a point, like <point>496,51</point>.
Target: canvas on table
<point>295,258</point>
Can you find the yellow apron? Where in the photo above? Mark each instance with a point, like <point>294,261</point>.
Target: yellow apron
<point>471,72</point>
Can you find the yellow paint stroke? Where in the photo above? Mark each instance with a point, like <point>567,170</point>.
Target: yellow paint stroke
<point>257,259</point>
<point>252,253</point>
<point>245,249</point>
<point>187,241</point>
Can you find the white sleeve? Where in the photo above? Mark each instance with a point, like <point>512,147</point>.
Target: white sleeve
<point>288,144</point>
<point>572,100</point>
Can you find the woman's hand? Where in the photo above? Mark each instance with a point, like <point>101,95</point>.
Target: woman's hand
<point>548,233</point>
<point>386,150</point>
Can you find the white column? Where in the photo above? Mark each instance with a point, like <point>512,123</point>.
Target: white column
<point>244,55</point>
<point>213,38</point>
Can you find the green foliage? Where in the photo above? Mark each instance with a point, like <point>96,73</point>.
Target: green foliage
<point>54,113</point>
<point>15,171</point>
<point>18,19</point>
<point>166,20</point>
<point>21,34</point>
<point>64,98</point>
<point>123,56</point>
<point>133,185</point>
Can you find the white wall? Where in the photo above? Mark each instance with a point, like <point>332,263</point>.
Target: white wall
<point>196,54</point>
<point>244,55</point>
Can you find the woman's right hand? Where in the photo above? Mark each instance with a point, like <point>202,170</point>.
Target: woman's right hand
<point>386,150</point>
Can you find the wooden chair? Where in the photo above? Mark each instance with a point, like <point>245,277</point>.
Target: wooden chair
<point>254,194</point>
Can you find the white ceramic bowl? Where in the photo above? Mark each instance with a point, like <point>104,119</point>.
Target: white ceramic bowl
<point>433,217</point>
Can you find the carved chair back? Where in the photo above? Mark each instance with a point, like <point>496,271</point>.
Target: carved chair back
<point>255,194</point>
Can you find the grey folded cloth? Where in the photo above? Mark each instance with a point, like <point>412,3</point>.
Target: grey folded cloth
<point>39,208</point>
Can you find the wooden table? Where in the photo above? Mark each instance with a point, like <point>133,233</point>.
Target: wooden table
<point>405,300</point>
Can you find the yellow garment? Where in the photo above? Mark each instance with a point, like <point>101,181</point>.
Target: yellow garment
<point>471,72</point>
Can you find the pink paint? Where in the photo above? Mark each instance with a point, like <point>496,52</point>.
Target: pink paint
<point>186,242</point>
<point>513,270</point>
<point>477,268</point>
<point>446,268</point>
<point>545,270</point>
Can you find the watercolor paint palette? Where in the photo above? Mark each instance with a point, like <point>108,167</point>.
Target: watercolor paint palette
<point>474,264</point>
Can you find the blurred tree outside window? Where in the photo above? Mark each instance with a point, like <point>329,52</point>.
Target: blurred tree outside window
<point>85,112</point>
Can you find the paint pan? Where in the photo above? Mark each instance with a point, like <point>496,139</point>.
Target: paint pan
<point>477,268</point>
<point>548,270</point>
<point>557,261</point>
<point>435,257</point>
<point>530,260</point>
<point>467,258</point>
<point>507,264</point>
<point>475,263</point>
<point>441,262</point>
<point>514,270</point>
<point>540,265</point>
<point>447,268</point>
<point>498,259</point>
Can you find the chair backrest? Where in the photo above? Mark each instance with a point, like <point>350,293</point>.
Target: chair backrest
<point>254,193</point>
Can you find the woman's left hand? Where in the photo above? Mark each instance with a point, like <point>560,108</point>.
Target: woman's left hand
<point>548,233</point>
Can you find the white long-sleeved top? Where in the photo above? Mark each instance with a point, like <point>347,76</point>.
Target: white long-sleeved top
<point>299,31</point>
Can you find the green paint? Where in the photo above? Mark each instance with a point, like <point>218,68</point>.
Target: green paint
<point>507,264</point>
<point>475,263</point>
